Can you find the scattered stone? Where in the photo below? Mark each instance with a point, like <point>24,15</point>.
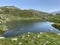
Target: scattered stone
<point>46,42</point>
<point>14,39</point>
<point>50,29</point>
<point>20,43</point>
<point>41,32</point>
<point>38,35</point>
<point>28,35</point>
<point>58,34</point>
<point>28,32</point>
<point>2,37</point>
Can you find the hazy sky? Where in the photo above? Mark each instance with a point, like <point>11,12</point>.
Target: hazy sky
<point>42,5</point>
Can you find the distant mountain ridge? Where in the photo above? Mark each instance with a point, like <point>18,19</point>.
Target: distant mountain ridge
<point>12,10</point>
<point>56,13</point>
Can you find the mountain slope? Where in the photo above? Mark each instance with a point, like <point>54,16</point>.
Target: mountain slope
<point>12,10</point>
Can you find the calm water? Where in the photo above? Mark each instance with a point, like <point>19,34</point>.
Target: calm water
<point>20,27</point>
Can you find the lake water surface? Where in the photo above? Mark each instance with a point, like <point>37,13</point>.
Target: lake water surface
<point>20,27</point>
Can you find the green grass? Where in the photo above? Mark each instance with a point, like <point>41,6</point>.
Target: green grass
<point>56,25</point>
<point>44,38</point>
<point>55,18</point>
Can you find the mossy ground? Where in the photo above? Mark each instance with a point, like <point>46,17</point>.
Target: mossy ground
<point>56,25</point>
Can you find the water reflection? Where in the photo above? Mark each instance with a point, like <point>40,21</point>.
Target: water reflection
<point>20,27</point>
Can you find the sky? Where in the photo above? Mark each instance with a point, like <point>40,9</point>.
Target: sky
<point>41,5</point>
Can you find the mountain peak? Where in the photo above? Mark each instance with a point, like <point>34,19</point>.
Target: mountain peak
<point>9,7</point>
<point>56,13</point>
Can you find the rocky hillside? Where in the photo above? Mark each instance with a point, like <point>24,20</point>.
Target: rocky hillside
<point>12,10</point>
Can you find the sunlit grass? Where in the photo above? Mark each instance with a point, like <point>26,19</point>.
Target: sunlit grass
<point>42,38</point>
